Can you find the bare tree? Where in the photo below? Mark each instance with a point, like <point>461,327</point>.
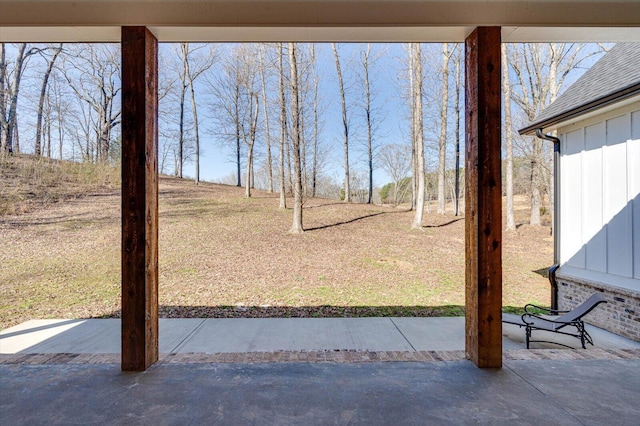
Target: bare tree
<point>541,70</point>
<point>263,54</point>
<point>553,94</point>
<point>457,119</point>
<point>183,93</point>
<point>316,125</point>
<point>43,93</point>
<point>93,73</point>
<point>47,125</point>
<point>8,116</point>
<point>62,106</point>
<point>366,62</point>
<point>442,144</point>
<point>419,135</point>
<point>412,119</point>
<point>230,103</point>
<point>283,125</point>
<point>3,106</point>
<point>246,67</point>
<point>193,65</point>
<point>249,137</point>
<point>296,227</point>
<point>302,97</point>
<point>345,123</point>
<point>508,137</point>
<point>168,123</point>
<point>395,160</point>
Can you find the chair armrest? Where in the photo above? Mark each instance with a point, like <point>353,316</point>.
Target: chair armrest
<point>529,306</point>
<point>547,320</point>
<point>528,315</point>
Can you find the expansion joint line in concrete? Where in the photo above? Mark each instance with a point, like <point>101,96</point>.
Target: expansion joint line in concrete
<point>188,336</point>
<point>402,334</point>
<point>537,389</point>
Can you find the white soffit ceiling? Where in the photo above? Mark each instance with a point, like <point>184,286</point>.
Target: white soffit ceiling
<point>314,34</point>
<point>319,20</point>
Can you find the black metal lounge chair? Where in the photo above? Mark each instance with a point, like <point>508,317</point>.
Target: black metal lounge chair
<point>550,321</point>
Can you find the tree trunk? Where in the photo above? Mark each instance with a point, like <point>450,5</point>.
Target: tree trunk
<point>345,123</point>
<point>253,123</point>
<point>194,110</point>
<point>553,94</point>
<point>535,182</point>
<point>237,122</point>
<point>3,106</point>
<point>247,186</point>
<point>368,116</point>
<point>296,227</point>
<point>314,167</point>
<point>193,65</point>
<point>48,128</point>
<point>183,90</point>
<point>442,145</point>
<point>60,133</point>
<point>43,93</point>
<point>283,127</point>
<point>104,140</point>
<point>412,108</point>
<point>184,47</point>
<point>457,189</point>
<point>196,134</point>
<point>417,218</point>
<point>266,122</point>
<point>10,123</point>
<point>16,136</point>
<point>508,137</point>
<point>57,106</point>
<point>303,141</point>
<point>288,157</point>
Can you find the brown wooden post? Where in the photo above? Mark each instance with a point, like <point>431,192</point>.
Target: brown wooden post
<point>483,198</point>
<point>139,198</point>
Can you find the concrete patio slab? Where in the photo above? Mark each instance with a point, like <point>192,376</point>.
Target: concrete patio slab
<point>514,338</point>
<point>445,334</point>
<point>47,336</point>
<point>274,334</point>
<point>456,393</point>
<point>87,336</point>
<point>595,392</point>
<point>254,388</point>
<point>238,335</point>
<point>174,333</point>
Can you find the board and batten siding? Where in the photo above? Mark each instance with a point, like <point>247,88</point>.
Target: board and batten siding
<point>600,199</point>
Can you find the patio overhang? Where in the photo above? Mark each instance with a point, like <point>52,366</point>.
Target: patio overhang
<point>318,20</point>
<point>483,25</point>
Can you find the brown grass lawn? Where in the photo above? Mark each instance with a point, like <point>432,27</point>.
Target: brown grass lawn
<point>224,255</point>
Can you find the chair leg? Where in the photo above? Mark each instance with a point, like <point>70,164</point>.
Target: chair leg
<point>583,338</point>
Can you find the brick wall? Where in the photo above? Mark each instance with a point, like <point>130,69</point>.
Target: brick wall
<point>620,315</point>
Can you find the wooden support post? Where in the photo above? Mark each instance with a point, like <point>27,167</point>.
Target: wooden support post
<point>139,198</point>
<point>483,198</point>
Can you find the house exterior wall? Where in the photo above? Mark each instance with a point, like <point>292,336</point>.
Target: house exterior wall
<point>621,313</point>
<point>600,217</point>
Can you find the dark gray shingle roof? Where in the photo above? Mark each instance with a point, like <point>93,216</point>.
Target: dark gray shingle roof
<point>614,77</point>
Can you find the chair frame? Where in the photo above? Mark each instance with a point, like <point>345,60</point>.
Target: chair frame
<point>552,320</point>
